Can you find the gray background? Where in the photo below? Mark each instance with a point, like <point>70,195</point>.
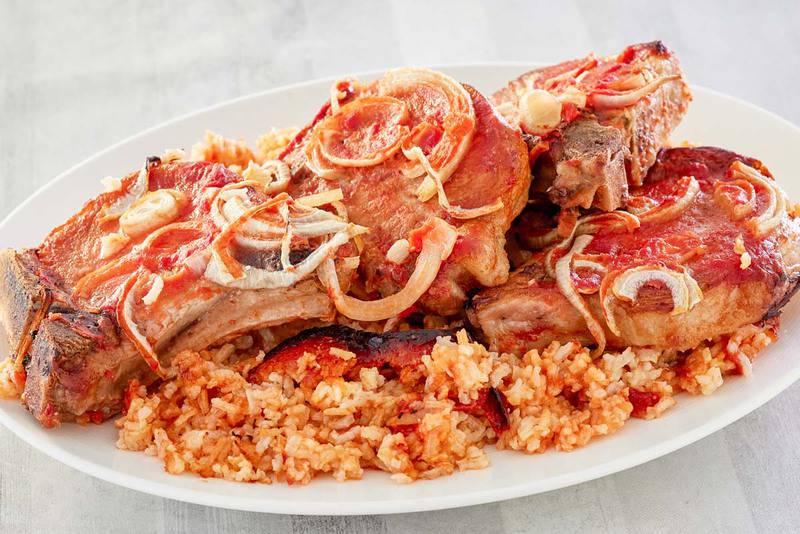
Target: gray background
<point>76,77</point>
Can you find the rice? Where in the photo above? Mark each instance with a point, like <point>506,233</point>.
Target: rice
<point>270,145</point>
<point>209,420</point>
<point>235,154</point>
<point>8,389</point>
<point>229,152</point>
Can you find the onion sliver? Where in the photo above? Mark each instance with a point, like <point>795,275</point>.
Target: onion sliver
<point>771,217</point>
<point>588,225</point>
<point>124,319</point>
<point>616,100</point>
<point>223,269</point>
<point>274,175</point>
<point>456,212</point>
<point>254,278</point>
<point>155,291</point>
<point>563,272</point>
<point>320,199</point>
<point>437,245</point>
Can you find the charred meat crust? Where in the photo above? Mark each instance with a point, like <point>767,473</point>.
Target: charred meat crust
<point>22,298</point>
<point>79,364</point>
<point>393,353</point>
<point>588,164</point>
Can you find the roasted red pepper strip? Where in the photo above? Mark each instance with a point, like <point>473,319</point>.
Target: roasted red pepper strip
<point>395,354</point>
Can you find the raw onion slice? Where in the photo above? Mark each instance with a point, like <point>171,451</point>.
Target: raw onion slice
<point>322,198</point>
<point>671,208</point>
<point>608,99</point>
<point>255,278</point>
<point>437,245</point>
<point>219,248</point>
<point>364,133</point>
<point>399,251</point>
<point>315,164</point>
<point>151,211</point>
<point>589,264</point>
<point>439,103</point>
<point>563,272</point>
<point>128,326</point>
<point>770,218</point>
<point>155,291</point>
<point>232,202</point>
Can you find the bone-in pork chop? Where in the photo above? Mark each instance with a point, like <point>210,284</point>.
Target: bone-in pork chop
<point>413,146</point>
<point>709,244</point>
<point>178,256</point>
<point>597,124</point>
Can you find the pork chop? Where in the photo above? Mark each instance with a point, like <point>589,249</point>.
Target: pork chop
<point>627,104</point>
<point>165,262</point>
<point>384,144</point>
<point>710,244</point>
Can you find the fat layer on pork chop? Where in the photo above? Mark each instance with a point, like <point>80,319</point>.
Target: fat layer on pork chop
<point>596,124</point>
<point>709,244</point>
<point>412,147</point>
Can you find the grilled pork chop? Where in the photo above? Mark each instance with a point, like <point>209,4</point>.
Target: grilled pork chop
<point>179,256</point>
<point>707,247</point>
<point>388,146</point>
<point>597,124</point>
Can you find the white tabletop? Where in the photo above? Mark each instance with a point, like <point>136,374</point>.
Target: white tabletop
<point>76,78</point>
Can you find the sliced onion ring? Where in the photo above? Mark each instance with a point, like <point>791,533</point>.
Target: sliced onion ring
<point>667,211</point>
<point>588,225</point>
<point>274,175</point>
<point>128,326</point>
<point>346,129</point>
<point>770,218</point>
<point>736,210</point>
<point>457,122</point>
<point>563,272</point>
<point>223,269</point>
<point>625,285</point>
<point>437,244</point>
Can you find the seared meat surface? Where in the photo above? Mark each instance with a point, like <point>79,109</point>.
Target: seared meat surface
<point>384,197</point>
<point>639,93</point>
<point>712,248</point>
